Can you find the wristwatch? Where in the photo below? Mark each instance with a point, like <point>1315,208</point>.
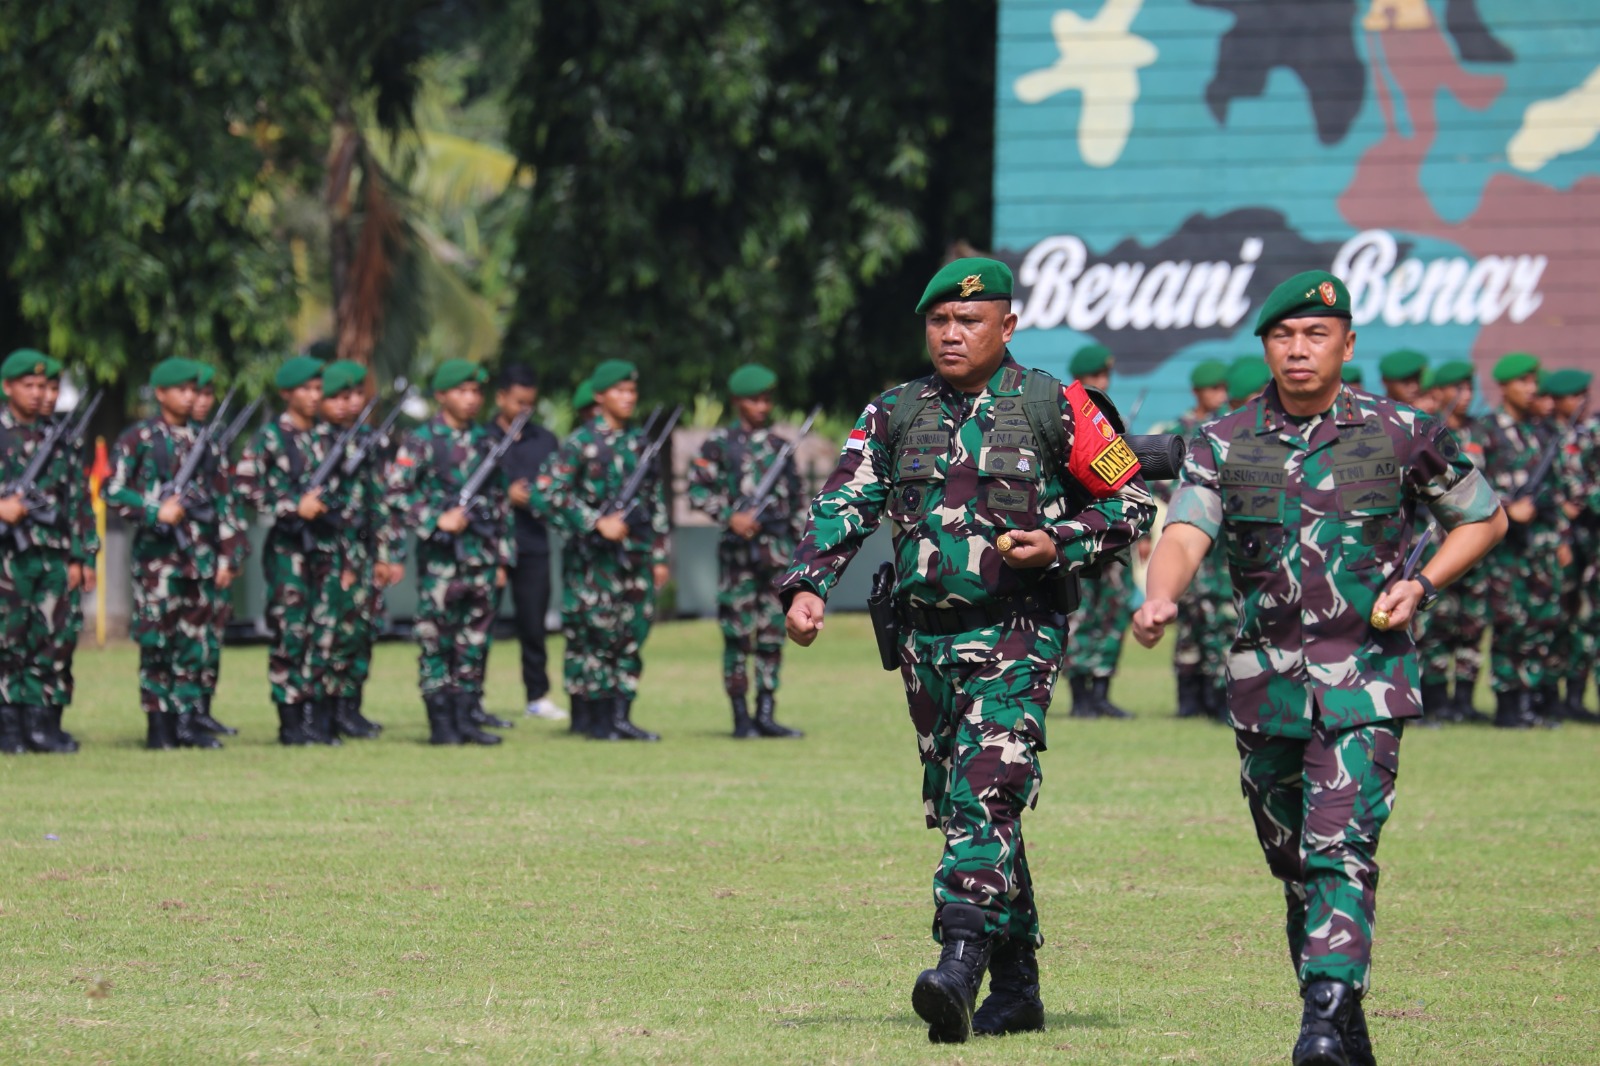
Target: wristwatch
<point>1430,595</point>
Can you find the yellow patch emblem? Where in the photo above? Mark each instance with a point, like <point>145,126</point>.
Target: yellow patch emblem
<point>1113,463</point>
<point>971,285</point>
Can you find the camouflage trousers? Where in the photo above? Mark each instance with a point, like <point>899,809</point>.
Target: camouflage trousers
<point>33,607</point>
<point>1319,806</point>
<point>299,618</point>
<point>1524,590</point>
<point>63,647</point>
<point>172,617</point>
<point>355,627</point>
<point>607,604</point>
<point>1575,652</point>
<point>751,618</point>
<point>221,615</point>
<point>455,614</point>
<point>977,701</point>
<point>1450,636</point>
<point>1101,621</point>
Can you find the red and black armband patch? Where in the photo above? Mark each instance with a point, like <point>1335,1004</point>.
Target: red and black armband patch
<point>1100,459</point>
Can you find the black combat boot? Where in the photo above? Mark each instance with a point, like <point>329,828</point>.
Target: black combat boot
<point>348,721</point>
<point>1100,693</point>
<point>602,724</point>
<point>743,727</point>
<point>1082,705</point>
<point>1217,701</point>
<point>1572,707</point>
<point>1357,1042</point>
<point>1512,710</point>
<point>1191,695</point>
<point>1323,1024</point>
<point>466,728</point>
<point>187,732</point>
<point>622,721</point>
<point>161,731</point>
<point>944,996</point>
<point>1464,711</point>
<point>766,725</point>
<point>373,728</point>
<point>482,718</point>
<point>204,720</point>
<point>1013,1004</point>
<point>64,738</point>
<point>291,728</point>
<point>316,721</point>
<point>441,719</point>
<point>1436,706</point>
<point>578,722</point>
<point>11,742</point>
<point>39,734</point>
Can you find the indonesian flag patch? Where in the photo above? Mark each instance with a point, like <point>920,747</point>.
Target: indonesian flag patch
<point>1101,460</point>
<point>856,441</point>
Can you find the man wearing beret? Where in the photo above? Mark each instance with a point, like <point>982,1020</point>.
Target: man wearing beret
<point>1524,572</point>
<point>301,554</point>
<point>1205,613</point>
<point>1402,372</point>
<point>1312,487</point>
<point>1001,485</point>
<point>1576,649</point>
<point>35,560</point>
<point>357,508</point>
<point>754,549</point>
<point>178,557</point>
<point>462,553</point>
<point>1351,375</point>
<point>611,569</point>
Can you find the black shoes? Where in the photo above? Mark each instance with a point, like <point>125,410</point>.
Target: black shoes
<point>441,719</point>
<point>1191,695</point>
<point>1100,693</point>
<point>1013,1004</point>
<point>765,724</point>
<point>622,721</point>
<point>204,720</point>
<point>187,732</point>
<point>1083,706</point>
<point>1514,710</point>
<point>161,731</point>
<point>944,996</point>
<point>466,728</point>
<point>1324,1024</point>
<point>291,727</point>
<point>11,742</point>
<point>347,720</point>
<point>743,727</point>
<point>1436,704</point>
<point>39,733</point>
<point>316,723</point>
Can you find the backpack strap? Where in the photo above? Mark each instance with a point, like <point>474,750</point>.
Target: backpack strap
<point>1041,405</point>
<point>906,410</point>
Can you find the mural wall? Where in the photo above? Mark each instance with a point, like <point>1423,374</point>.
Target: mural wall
<point>1161,164</point>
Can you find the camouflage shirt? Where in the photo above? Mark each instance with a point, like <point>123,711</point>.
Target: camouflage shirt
<point>1316,518</point>
<point>143,461</point>
<point>585,475</point>
<point>1511,450</point>
<point>969,469</point>
<point>425,480</point>
<point>360,503</point>
<point>59,481</point>
<point>272,473</point>
<point>731,463</point>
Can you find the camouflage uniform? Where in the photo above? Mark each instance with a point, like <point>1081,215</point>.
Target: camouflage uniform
<point>368,537</point>
<point>221,599</point>
<point>173,582</point>
<point>455,574</point>
<point>1450,636</point>
<point>1577,652</point>
<point>1314,516</point>
<point>980,651</point>
<point>78,509</point>
<point>1524,576</point>
<point>607,591</point>
<point>1101,622</point>
<point>726,471</point>
<point>299,558</point>
<point>33,583</point>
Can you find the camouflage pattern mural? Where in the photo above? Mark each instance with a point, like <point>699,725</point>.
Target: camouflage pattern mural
<point>1161,164</point>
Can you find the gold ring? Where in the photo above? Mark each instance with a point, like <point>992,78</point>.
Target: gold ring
<point>1005,543</point>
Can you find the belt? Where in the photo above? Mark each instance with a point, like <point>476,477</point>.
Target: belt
<point>944,621</point>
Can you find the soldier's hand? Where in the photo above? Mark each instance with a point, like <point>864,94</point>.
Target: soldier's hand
<point>1521,511</point>
<point>499,577</point>
<point>453,520</point>
<point>88,577</point>
<point>1399,601</point>
<point>12,510</point>
<point>74,575</point>
<point>396,573</point>
<point>1144,546</point>
<point>520,493</point>
<point>346,579</point>
<point>1564,555</point>
<point>804,620</point>
<point>744,524</point>
<point>661,573</point>
<point>171,512</point>
<point>224,575</point>
<point>1030,549</point>
<point>612,527</point>
<point>1150,621</point>
<point>311,506</point>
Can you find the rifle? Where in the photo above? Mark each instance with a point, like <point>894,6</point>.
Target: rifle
<point>470,496</point>
<point>41,508</point>
<point>1138,405</point>
<point>365,449</point>
<point>627,501</point>
<point>226,438</point>
<point>1547,460</point>
<point>324,473</point>
<point>195,506</point>
<point>765,491</point>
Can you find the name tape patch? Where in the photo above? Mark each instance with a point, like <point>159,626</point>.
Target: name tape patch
<point>1114,462</point>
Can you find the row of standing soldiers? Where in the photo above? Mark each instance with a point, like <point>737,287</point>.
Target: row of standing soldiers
<point>341,504</point>
<point>1536,596</point>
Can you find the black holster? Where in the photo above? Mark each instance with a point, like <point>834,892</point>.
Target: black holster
<point>885,625</point>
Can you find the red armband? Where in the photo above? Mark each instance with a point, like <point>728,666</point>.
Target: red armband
<point>1100,459</point>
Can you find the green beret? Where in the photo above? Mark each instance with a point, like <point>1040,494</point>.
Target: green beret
<point>1209,374</point>
<point>1402,365</point>
<point>1090,359</point>
<point>174,371</point>
<point>23,362</point>
<point>296,371</point>
<point>342,374</point>
<point>751,380</point>
<point>1515,365</point>
<point>453,372</point>
<point>1454,372</point>
<point>967,279</point>
<point>1567,382</point>
<point>205,376</point>
<point>1350,374</point>
<point>1245,379</point>
<point>52,367</point>
<point>583,396</point>
<point>1314,294</point>
<point>612,372</point>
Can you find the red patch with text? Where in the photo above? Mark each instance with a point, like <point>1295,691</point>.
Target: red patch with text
<point>1100,460</point>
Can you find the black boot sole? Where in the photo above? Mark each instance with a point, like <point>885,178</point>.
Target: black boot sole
<point>943,1008</point>
<point>1320,1051</point>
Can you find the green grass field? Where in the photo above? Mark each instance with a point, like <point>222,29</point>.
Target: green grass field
<point>707,901</point>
